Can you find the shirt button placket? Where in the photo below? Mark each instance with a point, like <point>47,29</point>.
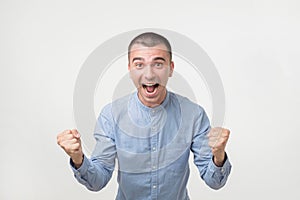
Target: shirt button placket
<point>154,159</point>
<point>154,175</point>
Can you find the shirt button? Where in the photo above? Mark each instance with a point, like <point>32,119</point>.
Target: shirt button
<point>153,148</point>
<point>153,128</point>
<point>154,186</point>
<point>153,167</point>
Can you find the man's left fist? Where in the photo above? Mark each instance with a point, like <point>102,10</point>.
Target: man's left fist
<point>217,140</point>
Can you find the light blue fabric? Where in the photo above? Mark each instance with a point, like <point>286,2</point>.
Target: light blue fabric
<point>152,147</point>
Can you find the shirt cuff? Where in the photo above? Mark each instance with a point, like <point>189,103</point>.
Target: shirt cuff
<point>82,169</point>
<point>220,172</point>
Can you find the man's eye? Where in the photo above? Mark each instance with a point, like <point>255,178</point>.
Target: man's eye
<point>158,64</point>
<point>138,65</point>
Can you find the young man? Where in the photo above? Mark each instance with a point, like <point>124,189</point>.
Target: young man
<point>151,133</point>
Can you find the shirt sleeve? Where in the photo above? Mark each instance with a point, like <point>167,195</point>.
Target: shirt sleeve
<point>95,173</point>
<point>215,177</point>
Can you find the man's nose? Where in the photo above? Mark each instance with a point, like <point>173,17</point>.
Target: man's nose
<point>149,73</point>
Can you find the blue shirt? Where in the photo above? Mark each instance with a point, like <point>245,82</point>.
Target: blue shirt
<point>152,147</point>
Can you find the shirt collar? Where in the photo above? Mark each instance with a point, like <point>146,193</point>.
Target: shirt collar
<point>146,108</point>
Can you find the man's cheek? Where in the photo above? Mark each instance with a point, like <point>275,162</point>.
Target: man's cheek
<point>164,78</point>
<point>135,77</point>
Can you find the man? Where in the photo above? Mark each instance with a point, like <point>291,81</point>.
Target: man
<point>151,133</point>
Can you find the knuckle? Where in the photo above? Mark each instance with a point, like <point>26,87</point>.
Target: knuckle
<point>67,131</point>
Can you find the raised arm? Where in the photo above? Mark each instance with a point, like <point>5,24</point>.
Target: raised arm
<point>208,146</point>
<point>95,172</point>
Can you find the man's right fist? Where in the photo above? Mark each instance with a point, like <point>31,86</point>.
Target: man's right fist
<point>70,141</point>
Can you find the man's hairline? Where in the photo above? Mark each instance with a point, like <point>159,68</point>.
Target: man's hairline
<point>167,50</point>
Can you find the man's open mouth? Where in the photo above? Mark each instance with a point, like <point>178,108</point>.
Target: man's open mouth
<point>150,88</point>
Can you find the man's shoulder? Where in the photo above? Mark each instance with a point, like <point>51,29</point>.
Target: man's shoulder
<point>182,99</point>
<point>185,102</point>
<point>116,104</point>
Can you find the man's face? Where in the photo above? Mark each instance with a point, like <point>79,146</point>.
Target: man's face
<point>150,69</point>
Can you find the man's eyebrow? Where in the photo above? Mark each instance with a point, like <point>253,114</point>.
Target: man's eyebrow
<point>137,58</point>
<point>142,59</point>
<point>159,58</point>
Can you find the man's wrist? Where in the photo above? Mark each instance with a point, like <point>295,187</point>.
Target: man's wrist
<point>78,161</point>
<point>220,159</point>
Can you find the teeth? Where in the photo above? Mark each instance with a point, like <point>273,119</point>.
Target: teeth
<point>149,84</point>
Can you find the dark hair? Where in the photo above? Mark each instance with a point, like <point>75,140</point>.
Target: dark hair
<point>150,39</point>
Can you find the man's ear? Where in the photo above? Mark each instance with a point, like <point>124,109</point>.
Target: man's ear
<point>171,69</point>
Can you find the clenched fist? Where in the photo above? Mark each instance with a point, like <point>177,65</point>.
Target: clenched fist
<point>217,140</point>
<point>70,141</point>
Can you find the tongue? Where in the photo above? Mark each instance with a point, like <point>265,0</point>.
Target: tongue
<point>150,89</point>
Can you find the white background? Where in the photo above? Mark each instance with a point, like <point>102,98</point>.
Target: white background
<point>254,45</point>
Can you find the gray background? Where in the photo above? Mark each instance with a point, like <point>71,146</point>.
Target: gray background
<point>254,45</point>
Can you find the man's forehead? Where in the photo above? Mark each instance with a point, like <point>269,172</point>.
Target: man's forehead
<point>140,47</point>
<point>139,50</point>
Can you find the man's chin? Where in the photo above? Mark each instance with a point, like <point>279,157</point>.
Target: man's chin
<point>152,99</point>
